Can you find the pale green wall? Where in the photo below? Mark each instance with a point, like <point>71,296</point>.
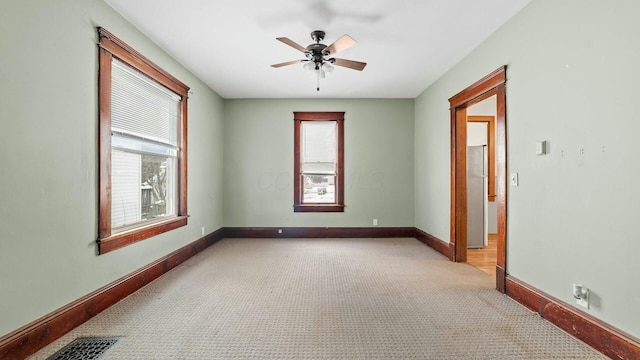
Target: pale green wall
<point>48,157</point>
<point>572,80</point>
<point>258,163</point>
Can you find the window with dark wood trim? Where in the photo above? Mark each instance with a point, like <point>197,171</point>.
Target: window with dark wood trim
<point>318,162</point>
<point>142,147</point>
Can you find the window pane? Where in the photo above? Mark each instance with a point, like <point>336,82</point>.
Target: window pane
<point>319,189</point>
<point>143,187</point>
<point>158,187</point>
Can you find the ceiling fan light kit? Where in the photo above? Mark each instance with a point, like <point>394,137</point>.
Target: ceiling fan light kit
<point>319,58</point>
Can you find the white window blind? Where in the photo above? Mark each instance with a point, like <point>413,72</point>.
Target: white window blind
<point>319,147</point>
<point>125,187</point>
<point>142,108</point>
<point>144,138</point>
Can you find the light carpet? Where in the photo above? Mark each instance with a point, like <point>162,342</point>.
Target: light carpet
<point>325,299</point>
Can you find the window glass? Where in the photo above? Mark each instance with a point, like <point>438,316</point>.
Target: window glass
<point>319,150</point>
<point>318,156</point>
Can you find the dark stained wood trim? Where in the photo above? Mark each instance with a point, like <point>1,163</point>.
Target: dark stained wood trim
<point>433,242</point>
<point>183,183</point>
<point>297,181</point>
<point>298,205</point>
<point>104,145</point>
<point>318,207</point>
<point>452,182</point>
<point>501,183</point>
<point>318,115</point>
<point>474,92</point>
<point>119,240</point>
<point>318,232</point>
<point>126,53</point>
<point>110,47</point>
<point>599,335</point>
<point>459,167</point>
<point>34,336</point>
<point>340,167</point>
<point>492,84</point>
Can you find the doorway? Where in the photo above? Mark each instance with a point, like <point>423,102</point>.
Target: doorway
<point>491,85</point>
<point>482,224</point>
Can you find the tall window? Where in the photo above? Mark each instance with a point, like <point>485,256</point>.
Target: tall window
<point>143,122</point>
<point>319,162</point>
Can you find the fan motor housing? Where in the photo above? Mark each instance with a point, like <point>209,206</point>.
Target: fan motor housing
<point>316,48</point>
<point>315,52</point>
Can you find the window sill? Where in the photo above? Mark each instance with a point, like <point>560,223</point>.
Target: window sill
<point>318,208</point>
<point>129,237</point>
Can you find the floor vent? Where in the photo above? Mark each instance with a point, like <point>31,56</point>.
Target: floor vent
<point>89,348</point>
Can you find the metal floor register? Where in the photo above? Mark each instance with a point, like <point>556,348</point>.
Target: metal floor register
<point>88,348</point>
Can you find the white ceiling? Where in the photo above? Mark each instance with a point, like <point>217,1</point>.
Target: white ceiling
<point>408,44</point>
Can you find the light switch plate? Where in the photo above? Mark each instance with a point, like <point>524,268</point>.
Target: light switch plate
<point>514,179</point>
<point>541,147</point>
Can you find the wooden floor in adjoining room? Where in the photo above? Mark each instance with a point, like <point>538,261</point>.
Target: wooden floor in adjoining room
<point>485,258</point>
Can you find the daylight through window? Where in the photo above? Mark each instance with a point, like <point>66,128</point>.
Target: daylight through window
<point>318,162</point>
<point>142,152</point>
<point>144,119</point>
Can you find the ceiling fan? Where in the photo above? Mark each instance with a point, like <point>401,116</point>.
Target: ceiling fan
<point>319,56</point>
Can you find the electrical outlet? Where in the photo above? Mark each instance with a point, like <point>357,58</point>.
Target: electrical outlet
<point>375,222</point>
<point>583,302</point>
<point>202,230</point>
<point>581,294</point>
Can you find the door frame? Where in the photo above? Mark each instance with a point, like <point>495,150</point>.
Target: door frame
<point>492,84</point>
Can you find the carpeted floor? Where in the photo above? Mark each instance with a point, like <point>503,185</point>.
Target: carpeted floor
<point>325,299</point>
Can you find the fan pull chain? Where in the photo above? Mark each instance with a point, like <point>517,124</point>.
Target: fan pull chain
<point>317,80</point>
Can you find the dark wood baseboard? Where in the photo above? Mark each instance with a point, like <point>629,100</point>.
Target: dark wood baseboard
<point>433,242</point>
<point>318,232</point>
<point>34,336</point>
<point>597,334</point>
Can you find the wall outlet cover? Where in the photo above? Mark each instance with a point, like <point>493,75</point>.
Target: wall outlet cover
<point>583,302</point>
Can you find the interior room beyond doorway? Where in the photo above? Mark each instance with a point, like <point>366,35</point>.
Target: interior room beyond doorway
<point>481,133</point>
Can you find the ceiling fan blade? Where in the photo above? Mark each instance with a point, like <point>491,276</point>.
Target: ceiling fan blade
<point>292,43</point>
<point>287,63</point>
<point>351,64</point>
<point>344,42</point>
